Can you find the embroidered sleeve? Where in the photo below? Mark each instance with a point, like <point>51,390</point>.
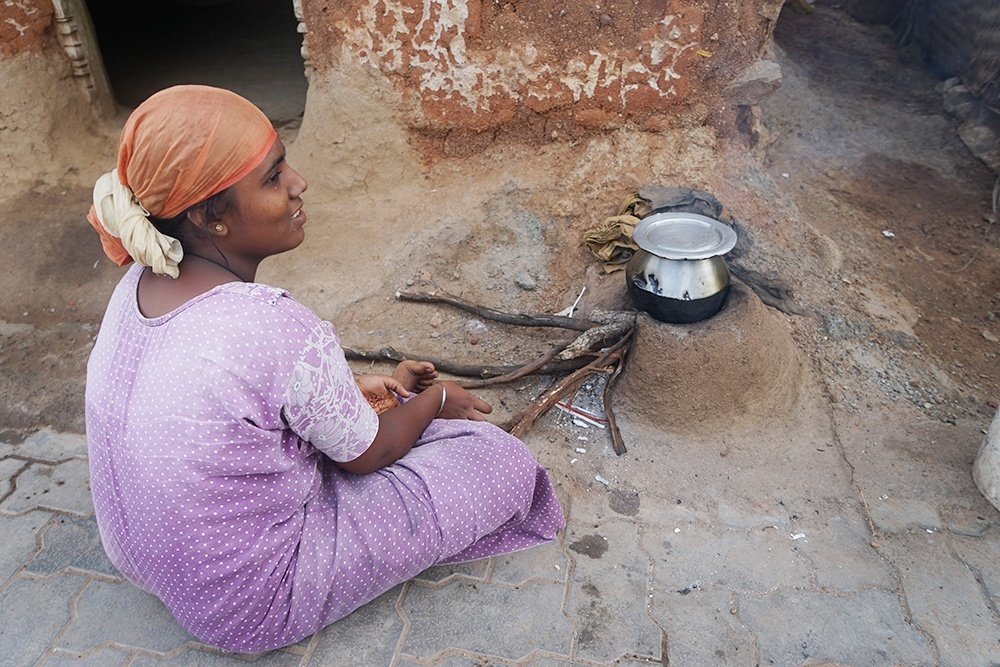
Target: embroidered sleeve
<point>323,403</point>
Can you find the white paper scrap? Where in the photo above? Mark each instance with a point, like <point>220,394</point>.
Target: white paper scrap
<point>568,312</point>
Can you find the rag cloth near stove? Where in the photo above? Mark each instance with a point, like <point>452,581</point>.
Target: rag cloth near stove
<point>611,241</point>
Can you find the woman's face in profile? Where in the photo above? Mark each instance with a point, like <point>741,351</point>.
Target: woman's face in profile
<point>266,216</point>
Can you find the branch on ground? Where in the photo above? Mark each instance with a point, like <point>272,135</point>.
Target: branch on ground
<point>517,319</point>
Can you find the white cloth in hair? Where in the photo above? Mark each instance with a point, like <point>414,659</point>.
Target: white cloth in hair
<point>122,216</point>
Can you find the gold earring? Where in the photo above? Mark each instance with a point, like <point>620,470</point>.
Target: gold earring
<point>219,228</point>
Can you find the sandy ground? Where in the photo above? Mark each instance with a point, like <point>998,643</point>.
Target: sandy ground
<point>860,195</point>
<point>858,149</point>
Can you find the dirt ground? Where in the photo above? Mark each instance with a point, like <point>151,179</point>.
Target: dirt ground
<point>860,195</point>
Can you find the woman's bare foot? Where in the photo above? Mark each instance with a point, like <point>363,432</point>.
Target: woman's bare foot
<point>415,375</point>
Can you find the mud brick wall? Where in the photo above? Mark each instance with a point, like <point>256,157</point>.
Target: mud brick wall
<point>544,68</point>
<point>25,26</point>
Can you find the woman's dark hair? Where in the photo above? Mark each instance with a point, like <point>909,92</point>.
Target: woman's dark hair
<point>179,227</point>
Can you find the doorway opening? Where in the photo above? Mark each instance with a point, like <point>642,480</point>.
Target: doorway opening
<point>251,47</point>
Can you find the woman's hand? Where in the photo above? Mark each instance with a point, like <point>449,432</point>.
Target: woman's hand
<point>400,427</point>
<point>461,404</point>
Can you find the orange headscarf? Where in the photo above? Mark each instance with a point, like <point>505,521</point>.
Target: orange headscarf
<point>179,147</point>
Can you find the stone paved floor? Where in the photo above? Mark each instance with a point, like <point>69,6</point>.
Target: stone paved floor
<point>679,560</point>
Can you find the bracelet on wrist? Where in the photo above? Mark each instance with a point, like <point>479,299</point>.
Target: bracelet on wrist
<point>444,397</point>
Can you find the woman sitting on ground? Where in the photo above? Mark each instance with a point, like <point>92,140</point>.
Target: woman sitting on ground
<point>237,470</point>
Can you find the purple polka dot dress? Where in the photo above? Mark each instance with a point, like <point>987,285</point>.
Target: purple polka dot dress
<point>213,433</point>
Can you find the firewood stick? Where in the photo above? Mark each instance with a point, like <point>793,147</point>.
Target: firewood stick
<point>617,442</point>
<point>517,319</point>
<point>571,382</point>
<point>568,384</point>
<point>596,335</point>
<point>459,369</point>
<point>528,369</point>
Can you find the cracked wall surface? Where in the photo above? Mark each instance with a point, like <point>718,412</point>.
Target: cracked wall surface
<point>454,76</point>
<point>468,65</point>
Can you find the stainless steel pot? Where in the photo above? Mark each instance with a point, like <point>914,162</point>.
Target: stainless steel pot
<point>677,290</point>
<point>679,275</point>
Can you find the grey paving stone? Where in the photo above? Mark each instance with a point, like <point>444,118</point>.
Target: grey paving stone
<point>546,562</point>
<point>64,487</point>
<point>9,468</point>
<point>535,660</point>
<point>864,628</point>
<point>72,542</point>
<point>668,512</point>
<point>701,630</point>
<point>970,515</point>
<point>587,504</point>
<point>756,560</point>
<point>51,446</point>
<point>623,662</point>
<point>910,476</point>
<point>367,637</point>
<point>745,513</point>
<point>837,543</point>
<point>551,661</point>
<point>299,648</point>
<point>17,540</point>
<point>608,594</point>
<point>199,658</point>
<point>470,660</point>
<point>486,618</point>
<point>767,466</point>
<point>896,514</point>
<point>980,554</point>
<point>475,569</point>
<point>945,599</point>
<point>124,614</point>
<point>103,657</point>
<point>32,613</point>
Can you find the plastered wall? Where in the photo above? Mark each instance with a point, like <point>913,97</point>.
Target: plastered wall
<point>24,26</point>
<point>544,65</point>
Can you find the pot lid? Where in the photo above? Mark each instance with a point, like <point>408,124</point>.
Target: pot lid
<point>679,235</point>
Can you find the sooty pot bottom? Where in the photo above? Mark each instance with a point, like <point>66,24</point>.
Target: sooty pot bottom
<point>677,311</point>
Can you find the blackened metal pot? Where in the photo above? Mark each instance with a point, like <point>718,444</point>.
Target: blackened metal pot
<point>677,290</point>
<point>679,275</point>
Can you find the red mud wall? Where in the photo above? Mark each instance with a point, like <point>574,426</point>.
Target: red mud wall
<point>25,26</point>
<point>545,68</point>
